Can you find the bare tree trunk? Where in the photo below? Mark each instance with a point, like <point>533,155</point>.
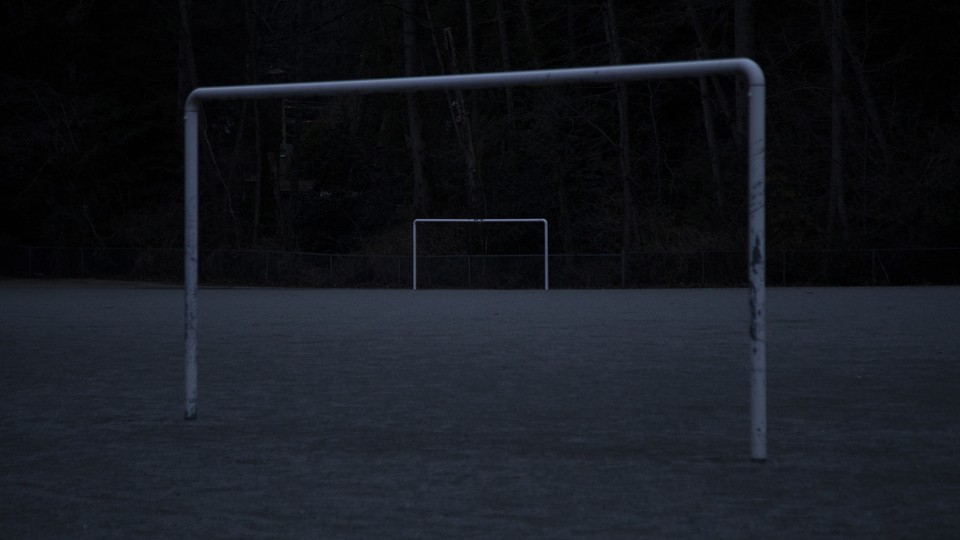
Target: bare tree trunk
<point>251,76</point>
<point>471,45</point>
<point>711,134</point>
<point>837,221</point>
<point>705,52</point>
<point>707,105</point>
<point>289,225</point>
<point>875,126</point>
<point>505,56</point>
<point>278,200</point>
<point>566,231</point>
<point>460,118</point>
<point>258,152</point>
<point>856,62</point>
<point>631,232</point>
<point>298,113</point>
<point>743,28</point>
<point>238,143</point>
<point>187,68</point>
<point>535,60</point>
<point>188,81</point>
<point>471,57</point>
<point>421,190</point>
<point>75,16</point>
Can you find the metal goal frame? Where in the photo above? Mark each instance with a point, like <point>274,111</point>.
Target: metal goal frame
<point>745,68</point>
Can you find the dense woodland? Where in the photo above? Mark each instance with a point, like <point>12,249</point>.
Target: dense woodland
<point>862,145</point>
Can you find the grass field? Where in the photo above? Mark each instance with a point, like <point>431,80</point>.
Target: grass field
<point>476,414</point>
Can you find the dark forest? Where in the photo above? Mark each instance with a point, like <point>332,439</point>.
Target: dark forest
<point>863,111</point>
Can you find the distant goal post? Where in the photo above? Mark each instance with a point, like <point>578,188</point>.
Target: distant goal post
<point>546,239</point>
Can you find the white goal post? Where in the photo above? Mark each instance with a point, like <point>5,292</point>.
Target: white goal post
<point>546,239</point>
<point>745,68</point>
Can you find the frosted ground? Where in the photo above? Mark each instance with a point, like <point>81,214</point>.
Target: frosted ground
<point>487,414</point>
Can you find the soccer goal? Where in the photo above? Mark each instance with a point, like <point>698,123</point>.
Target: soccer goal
<point>546,239</point>
<point>745,68</point>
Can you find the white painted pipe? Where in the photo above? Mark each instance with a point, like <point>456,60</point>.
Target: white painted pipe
<point>190,263</point>
<point>757,259</point>
<point>743,67</point>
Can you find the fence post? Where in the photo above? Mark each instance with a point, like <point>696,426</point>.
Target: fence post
<point>703,279</point>
<point>623,270</point>
<point>783,276</point>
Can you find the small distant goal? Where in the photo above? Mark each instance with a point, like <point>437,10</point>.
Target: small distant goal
<point>546,239</point>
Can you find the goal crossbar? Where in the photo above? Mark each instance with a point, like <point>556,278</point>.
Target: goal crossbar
<point>546,239</point>
<point>745,68</point>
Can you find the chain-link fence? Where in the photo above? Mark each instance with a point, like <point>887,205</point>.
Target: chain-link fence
<point>639,269</point>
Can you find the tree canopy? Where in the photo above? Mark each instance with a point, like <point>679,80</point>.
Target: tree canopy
<point>863,120</point>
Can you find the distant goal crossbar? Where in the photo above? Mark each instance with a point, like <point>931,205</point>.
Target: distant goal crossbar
<point>546,239</point>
